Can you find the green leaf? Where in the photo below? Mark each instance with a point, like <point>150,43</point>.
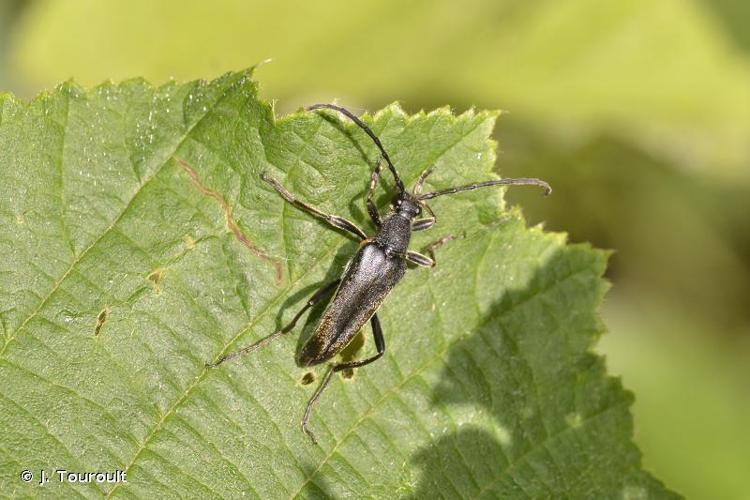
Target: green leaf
<point>124,270</point>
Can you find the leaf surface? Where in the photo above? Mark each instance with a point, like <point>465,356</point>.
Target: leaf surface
<point>139,243</point>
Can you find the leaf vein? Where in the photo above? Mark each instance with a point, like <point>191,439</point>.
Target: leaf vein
<point>199,378</point>
<point>114,222</point>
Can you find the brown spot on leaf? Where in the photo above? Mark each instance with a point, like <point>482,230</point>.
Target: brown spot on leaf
<point>308,378</point>
<point>155,277</point>
<point>100,319</point>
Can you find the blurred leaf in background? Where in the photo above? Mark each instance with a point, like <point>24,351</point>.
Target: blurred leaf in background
<point>692,400</point>
<point>9,11</point>
<point>638,112</point>
<point>661,72</point>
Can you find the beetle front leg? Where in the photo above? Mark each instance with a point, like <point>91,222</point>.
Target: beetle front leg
<point>422,177</point>
<point>334,220</point>
<point>427,222</point>
<point>377,334</point>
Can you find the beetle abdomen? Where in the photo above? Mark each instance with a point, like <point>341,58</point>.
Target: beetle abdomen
<point>368,279</point>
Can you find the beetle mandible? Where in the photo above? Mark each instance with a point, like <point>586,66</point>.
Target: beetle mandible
<point>378,265</point>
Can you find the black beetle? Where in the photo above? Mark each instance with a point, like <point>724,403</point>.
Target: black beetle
<point>377,267</point>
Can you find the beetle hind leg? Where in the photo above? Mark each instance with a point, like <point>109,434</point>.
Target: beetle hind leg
<point>377,334</point>
<point>319,295</point>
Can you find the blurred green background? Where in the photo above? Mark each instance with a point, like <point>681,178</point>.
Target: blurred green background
<point>637,112</point>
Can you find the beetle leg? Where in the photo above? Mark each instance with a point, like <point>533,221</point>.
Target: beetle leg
<point>334,220</point>
<point>425,261</point>
<point>313,399</point>
<point>319,295</point>
<point>437,244</point>
<point>427,222</point>
<point>419,259</point>
<point>422,224</point>
<point>421,179</point>
<point>371,209</point>
<point>377,333</point>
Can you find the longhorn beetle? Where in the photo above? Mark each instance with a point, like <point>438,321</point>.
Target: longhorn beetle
<point>371,274</point>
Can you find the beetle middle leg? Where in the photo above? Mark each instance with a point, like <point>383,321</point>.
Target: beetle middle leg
<point>334,220</point>
<point>422,224</point>
<point>377,334</point>
<point>317,297</point>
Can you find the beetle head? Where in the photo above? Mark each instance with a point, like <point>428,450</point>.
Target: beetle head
<point>406,204</point>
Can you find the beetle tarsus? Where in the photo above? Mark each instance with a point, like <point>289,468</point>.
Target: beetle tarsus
<point>377,334</point>
<point>311,403</point>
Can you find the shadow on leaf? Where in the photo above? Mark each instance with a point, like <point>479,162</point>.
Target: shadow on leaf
<point>534,413</point>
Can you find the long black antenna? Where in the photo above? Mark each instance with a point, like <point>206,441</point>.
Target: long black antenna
<point>523,181</point>
<point>368,131</point>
